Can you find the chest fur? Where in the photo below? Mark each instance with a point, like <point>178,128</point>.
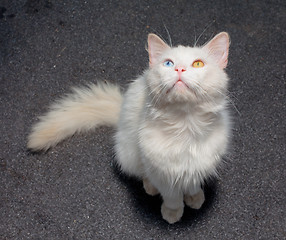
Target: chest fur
<point>182,146</point>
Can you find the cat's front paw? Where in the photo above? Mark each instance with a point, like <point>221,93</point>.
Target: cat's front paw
<point>195,201</point>
<point>171,215</point>
<point>149,188</point>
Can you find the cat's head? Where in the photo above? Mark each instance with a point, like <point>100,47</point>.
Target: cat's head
<point>187,74</point>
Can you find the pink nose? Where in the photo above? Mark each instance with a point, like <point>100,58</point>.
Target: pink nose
<point>180,69</point>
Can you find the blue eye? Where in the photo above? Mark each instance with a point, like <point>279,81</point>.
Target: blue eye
<point>168,63</point>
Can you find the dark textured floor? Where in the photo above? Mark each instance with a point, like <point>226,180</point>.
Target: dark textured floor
<point>74,190</point>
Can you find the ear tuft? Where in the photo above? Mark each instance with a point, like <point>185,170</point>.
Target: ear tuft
<point>156,46</point>
<point>218,48</point>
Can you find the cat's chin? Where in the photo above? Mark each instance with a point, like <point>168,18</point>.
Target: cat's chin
<point>181,92</point>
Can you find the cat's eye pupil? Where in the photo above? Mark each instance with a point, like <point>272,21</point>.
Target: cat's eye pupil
<point>198,64</point>
<point>168,63</point>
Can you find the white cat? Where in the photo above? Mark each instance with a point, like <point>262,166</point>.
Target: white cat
<point>172,123</point>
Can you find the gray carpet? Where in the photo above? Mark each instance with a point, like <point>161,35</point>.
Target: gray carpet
<point>74,191</point>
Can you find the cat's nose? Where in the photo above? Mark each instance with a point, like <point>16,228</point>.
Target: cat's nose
<point>180,69</point>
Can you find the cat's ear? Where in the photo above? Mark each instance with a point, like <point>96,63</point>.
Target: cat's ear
<point>218,48</point>
<point>156,46</point>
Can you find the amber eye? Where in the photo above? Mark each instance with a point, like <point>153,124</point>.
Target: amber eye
<point>198,64</point>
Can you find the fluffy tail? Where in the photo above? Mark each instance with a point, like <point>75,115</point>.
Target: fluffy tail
<point>84,109</point>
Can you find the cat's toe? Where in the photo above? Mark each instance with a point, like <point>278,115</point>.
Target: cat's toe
<point>149,188</point>
<point>195,201</point>
<point>171,215</point>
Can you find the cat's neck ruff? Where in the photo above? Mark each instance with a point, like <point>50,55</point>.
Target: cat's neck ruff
<point>195,120</point>
<point>187,108</point>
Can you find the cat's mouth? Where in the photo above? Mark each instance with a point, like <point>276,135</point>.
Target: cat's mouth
<point>180,85</point>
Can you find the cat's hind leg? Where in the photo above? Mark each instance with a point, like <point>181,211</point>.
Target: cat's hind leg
<point>127,154</point>
<point>149,188</point>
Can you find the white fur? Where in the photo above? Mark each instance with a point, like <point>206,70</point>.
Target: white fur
<point>83,110</point>
<point>170,135</point>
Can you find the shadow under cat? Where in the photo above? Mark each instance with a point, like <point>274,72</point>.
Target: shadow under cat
<point>148,207</point>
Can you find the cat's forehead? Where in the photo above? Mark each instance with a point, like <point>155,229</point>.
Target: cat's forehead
<point>184,53</point>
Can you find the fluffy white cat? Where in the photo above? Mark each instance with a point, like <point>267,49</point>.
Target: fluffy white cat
<point>172,123</point>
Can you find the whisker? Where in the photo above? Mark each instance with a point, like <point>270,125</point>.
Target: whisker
<point>227,98</point>
<point>156,97</point>
<point>168,33</point>
<point>162,90</point>
<point>232,95</point>
<point>203,93</point>
<point>154,89</point>
<point>206,28</point>
<point>195,34</point>
<point>232,103</point>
